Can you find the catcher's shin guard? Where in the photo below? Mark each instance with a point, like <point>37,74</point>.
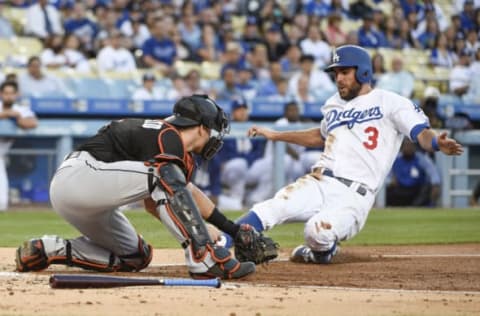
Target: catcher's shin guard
<point>38,254</point>
<point>180,214</point>
<point>181,208</point>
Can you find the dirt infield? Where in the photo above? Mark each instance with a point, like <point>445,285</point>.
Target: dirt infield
<point>413,280</point>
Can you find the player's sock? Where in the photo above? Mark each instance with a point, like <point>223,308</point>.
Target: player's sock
<point>252,219</point>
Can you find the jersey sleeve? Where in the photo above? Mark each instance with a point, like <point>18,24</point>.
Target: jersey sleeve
<point>409,118</point>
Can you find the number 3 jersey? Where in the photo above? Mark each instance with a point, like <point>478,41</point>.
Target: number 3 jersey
<point>363,135</point>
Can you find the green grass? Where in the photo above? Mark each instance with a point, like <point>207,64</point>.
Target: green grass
<point>384,227</point>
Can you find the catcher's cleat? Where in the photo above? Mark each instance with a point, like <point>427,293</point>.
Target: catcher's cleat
<point>304,254</point>
<point>31,256</point>
<point>226,267</point>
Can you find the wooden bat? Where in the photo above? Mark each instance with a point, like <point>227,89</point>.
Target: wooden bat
<point>82,281</point>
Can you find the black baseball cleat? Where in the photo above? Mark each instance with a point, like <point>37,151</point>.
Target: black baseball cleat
<point>226,266</point>
<point>304,254</point>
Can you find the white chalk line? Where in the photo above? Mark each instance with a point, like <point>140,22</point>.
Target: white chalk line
<point>472,255</point>
<point>353,289</point>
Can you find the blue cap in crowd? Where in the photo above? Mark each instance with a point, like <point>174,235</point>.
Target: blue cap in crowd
<point>251,20</point>
<point>238,103</point>
<point>274,28</point>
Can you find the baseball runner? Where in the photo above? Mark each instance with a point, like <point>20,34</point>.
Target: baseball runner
<point>127,161</point>
<point>361,134</point>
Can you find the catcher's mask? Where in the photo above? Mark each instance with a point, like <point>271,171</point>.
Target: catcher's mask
<point>201,110</point>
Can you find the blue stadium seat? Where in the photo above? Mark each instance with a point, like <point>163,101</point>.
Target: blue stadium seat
<point>91,88</point>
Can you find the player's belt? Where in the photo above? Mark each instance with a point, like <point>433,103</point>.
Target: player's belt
<point>362,190</point>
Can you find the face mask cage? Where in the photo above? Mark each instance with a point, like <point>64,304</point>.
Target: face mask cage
<point>215,142</point>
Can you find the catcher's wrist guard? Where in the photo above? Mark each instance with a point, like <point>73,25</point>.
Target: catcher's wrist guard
<point>251,245</point>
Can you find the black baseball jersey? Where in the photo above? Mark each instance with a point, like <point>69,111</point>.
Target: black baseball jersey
<point>137,140</point>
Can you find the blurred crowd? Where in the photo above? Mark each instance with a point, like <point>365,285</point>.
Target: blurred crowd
<point>273,49</point>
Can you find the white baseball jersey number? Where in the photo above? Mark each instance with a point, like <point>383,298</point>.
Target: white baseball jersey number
<point>152,124</point>
<point>372,142</point>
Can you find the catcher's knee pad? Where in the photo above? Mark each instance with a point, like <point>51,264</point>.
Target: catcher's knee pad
<point>319,235</point>
<point>136,261</point>
<point>112,263</point>
<point>38,254</point>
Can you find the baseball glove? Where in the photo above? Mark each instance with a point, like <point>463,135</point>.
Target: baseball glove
<point>251,245</point>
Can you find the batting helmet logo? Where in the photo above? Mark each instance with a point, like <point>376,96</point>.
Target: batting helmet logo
<point>335,57</point>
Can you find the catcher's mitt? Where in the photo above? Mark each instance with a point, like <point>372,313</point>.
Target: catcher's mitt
<point>251,245</point>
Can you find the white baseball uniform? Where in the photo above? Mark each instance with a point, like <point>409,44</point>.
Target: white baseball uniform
<point>362,139</point>
<point>5,144</point>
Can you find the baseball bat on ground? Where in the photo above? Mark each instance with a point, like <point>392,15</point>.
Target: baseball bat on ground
<point>82,281</point>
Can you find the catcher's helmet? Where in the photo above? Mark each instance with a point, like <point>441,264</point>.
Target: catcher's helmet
<point>198,110</point>
<point>353,56</point>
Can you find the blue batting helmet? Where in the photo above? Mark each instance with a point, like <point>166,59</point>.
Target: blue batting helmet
<point>353,56</point>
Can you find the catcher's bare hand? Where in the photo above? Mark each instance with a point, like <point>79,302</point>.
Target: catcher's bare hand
<point>448,145</point>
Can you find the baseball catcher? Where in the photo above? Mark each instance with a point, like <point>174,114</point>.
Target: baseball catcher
<point>142,159</point>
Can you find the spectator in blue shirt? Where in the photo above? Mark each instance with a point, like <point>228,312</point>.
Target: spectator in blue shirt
<point>317,8</point>
<point>207,177</point>
<point>467,16</point>
<point>268,87</point>
<point>233,56</point>
<point>427,38</point>
<point>415,180</point>
<point>410,6</point>
<point>251,35</point>
<point>228,89</point>
<point>237,156</point>
<point>159,51</point>
<point>368,36</point>
<point>79,24</point>
<point>291,60</point>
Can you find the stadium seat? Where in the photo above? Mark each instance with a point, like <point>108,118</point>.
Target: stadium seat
<point>91,87</point>
<point>211,70</point>
<point>350,25</point>
<point>5,48</point>
<point>418,89</point>
<point>238,23</point>
<point>17,17</point>
<point>184,67</point>
<point>28,46</point>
